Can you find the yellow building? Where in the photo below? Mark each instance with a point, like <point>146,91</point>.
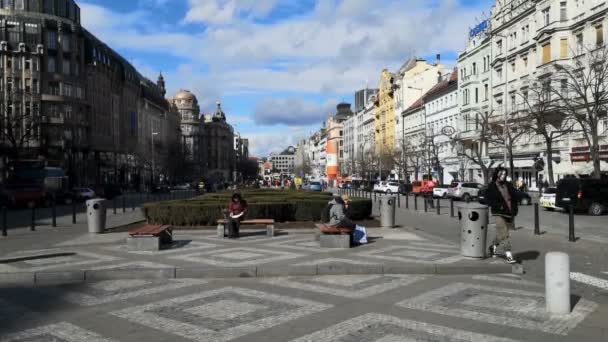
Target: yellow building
<point>385,114</point>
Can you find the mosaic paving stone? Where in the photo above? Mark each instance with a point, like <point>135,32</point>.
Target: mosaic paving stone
<point>351,286</point>
<point>414,253</point>
<point>237,256</point>
<point>76,261</point>
<point>383,328</point>
<point>243,312</point>
<point>502,306</point>
<point>60,332</point>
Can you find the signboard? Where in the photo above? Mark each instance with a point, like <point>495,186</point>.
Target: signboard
<point>475,31</point>
<point>448,130</point>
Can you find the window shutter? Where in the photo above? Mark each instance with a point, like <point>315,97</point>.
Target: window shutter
<point>563,48</point>
<point>546,53</point>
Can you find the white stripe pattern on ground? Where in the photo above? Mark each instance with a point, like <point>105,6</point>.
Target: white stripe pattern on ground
<point>58,332</point>
<point>589,280</point>
<point>507,279</point>
<point>355,326</point>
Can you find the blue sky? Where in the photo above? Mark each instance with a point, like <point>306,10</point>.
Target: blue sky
<point>278,66</point>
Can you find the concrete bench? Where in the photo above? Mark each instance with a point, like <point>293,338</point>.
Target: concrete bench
<point>269,223</point>
<point>334,237</point>
<point>149,237</point>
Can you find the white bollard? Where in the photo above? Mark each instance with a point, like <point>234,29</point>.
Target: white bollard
<point>557,283</point>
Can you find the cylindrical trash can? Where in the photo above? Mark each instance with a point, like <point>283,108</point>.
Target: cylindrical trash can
<point>96,215</point>
<point>387,211</point>
<point>473,229</point>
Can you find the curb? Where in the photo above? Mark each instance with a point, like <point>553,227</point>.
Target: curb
<point>263,271</point>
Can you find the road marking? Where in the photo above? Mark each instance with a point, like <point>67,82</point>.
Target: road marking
<point>589,280</point>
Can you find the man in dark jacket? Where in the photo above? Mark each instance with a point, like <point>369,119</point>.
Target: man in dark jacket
<point>501,197</point>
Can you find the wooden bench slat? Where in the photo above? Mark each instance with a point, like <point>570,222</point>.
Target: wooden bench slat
<point>149,229</point>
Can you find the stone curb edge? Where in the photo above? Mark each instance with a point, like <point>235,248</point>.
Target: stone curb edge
<point>76,276</point>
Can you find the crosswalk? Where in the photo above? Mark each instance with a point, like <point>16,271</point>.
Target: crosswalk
<point>590,280</point>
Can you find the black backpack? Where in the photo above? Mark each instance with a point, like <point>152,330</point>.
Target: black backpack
<point>325,216</point>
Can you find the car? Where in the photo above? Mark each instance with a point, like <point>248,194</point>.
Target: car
<point>391,188</point>
<point>405,188</point>
<point>523,197</point>
<point>583,194</point>
<point>30,195</point>
<point>315,186</point>
<point>160,189</point>
<point>380,187</point>
<point>547,199</point>
<point>441,191</point>
<point>62,196</point>
<point>184,186</point>
<point>83,194</point>
<point>465,191</point>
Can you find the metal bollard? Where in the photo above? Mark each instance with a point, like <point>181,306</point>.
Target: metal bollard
<point>54,214</point>
<point>571,236</point>
<point>439,206</point>
<point>114,205</point>
<point>536,220</point>
<point>398,200</point>
<point>407,200</point>
<point>33,219</point>
<point>4,222</point>
<point>124,204</point>
<point>73,212</point>
<point>415,201</point>
<point>374,197</point>
<point>451,207</point>
<point>133,203</point>
<point>557,283</point>
<point>426,205</point>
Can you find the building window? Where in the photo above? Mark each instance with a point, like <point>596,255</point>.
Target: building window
<point>525,59</point>
<point>599,35</point>
<point>563,13</point>
<point>513,66</point>
<point>546,17</point>
<point>476,95</point>
<point>513,105</point>
<point>51,66</point>
<point>19,5</point>
<point>485,92</point>
<point>65,42</point>
<point>499,74</point>
<point>563,48</point>
<point>474,68</point>
<point>66,67</point>
<point>563,87</point>
<point>35,86</point>
<point>51,40</point>
<point>53,88</point>
<point>7,4</point>
<point>547,53</point>
<point>579,43</point>
<point>499,47</point>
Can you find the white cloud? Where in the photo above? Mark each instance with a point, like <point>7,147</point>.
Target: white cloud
<point>291,111</point>
<point>224,11</point>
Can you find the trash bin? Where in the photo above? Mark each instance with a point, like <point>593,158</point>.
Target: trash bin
<point>473,229</point>
<point>96,215</point>
<point>387,211</point>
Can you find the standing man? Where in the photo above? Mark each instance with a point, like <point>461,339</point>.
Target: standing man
<point>501,197</point>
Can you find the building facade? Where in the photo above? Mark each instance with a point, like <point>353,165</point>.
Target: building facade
<point>385,114</point>
<point>284,162</point>
<point>219,156</point>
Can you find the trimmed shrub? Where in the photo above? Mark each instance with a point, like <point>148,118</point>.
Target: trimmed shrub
<point>282,206</point>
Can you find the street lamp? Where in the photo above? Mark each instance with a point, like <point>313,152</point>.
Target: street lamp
<point>153,160</point>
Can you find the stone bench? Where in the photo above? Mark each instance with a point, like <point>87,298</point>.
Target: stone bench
<point>334,237</point>
<point>149,237</point>
<point>269,223</point>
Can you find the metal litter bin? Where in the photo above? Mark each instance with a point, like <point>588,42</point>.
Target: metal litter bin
<point>96,215</point>
<point>387,211</point>
<point>473,229</point>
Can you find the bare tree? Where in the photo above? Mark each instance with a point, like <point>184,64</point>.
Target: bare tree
<point>472,145</point>
<point>19,125</point>
<point>401,157</point>
<point>517,129</point>
<point>544,118</point>
<point>583,95</point>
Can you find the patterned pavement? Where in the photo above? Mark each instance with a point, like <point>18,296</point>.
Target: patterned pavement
<point>498,308</point>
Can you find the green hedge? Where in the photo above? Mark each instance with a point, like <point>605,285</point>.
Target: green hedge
<point>281,206</point>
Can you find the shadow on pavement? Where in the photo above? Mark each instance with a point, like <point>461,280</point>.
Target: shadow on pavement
<point>528,255</point>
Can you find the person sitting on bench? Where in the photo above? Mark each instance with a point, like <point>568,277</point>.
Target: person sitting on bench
<point>337,215</point>
<point>237,209</point>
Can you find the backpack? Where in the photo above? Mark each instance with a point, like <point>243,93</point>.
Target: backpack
<point>325,214</point>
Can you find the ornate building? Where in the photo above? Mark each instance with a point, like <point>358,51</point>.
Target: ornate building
<point>218,151</point>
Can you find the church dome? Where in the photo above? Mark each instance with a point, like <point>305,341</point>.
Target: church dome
<point>185,95</point>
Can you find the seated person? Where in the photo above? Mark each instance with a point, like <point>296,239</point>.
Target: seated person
<point>237,208</point>
<point>337,215</point>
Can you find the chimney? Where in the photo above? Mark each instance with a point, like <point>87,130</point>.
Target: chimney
<point>439,76</point>
<point>438,59</point>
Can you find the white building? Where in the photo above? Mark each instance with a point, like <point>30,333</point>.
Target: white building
<point>527,39</point>
<point>284,161</point>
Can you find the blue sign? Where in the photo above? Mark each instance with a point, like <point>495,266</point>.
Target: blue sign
<point>479,28</point>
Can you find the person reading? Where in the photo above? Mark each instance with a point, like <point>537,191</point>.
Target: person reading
<point>237,209</point>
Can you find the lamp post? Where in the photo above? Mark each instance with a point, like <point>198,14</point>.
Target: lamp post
<point>153,159</point>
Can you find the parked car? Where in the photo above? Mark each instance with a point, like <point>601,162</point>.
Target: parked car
<point>184,186</point>
<point>62,196</point>
<point>391,188</point>
<point>547,199</point>
<point>441,191</point>
<point>522,197</point>
<point>464,191</point>
<point>380,187</point>
<point>83,194</point>
<point>314,186</point>
<point>30,195</point>
<point>584,194</point>
<point>405,188</point>
<point>160,189</point>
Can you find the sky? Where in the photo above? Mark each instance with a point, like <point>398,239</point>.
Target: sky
<point>279,67</point>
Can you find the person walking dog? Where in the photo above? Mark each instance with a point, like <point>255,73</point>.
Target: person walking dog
<point>501,197</point>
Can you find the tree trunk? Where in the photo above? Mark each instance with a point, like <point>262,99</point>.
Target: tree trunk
<point>511,163</point>
<point>595,156</point>
<point>549,144</point>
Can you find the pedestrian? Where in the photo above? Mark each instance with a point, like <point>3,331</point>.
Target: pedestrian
<point>337,215</point>
<point>501,197</point>
<point>237,209</point>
